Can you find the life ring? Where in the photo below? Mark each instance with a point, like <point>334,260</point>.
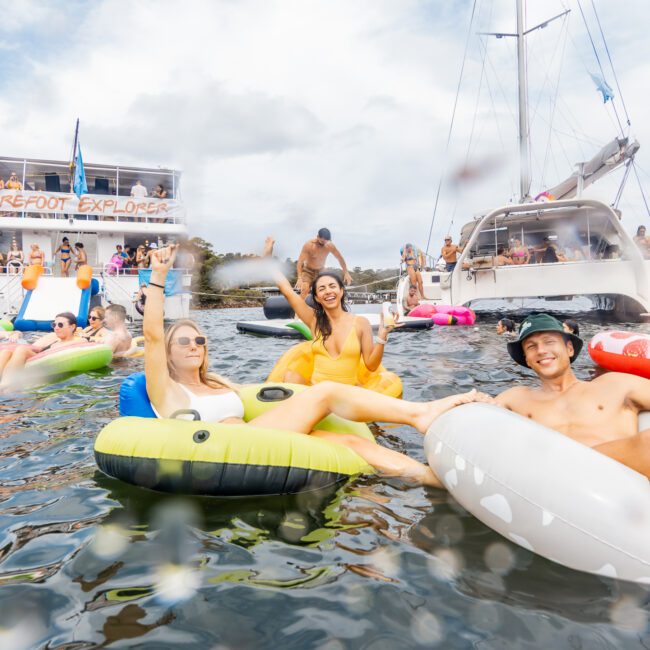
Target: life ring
<point>73,357</point>
<point>193,457</point>
<point>622,352</point>
<point>300,359</point>
<point>445,314</point>
<point>545,491</point>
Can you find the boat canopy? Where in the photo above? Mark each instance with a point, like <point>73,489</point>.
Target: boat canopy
<point>54,176</point>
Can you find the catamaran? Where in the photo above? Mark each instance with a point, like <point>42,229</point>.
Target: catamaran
<point>598,261</point>
<point>44,210</point>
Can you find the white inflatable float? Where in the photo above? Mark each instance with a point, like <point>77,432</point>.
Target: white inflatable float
<point>545,491</point>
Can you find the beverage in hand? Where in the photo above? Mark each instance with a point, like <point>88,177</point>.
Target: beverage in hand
<point>389,318</point>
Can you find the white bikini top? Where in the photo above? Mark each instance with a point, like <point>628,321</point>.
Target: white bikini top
<point>213,408</point>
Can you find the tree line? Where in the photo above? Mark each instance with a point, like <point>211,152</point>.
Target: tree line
<point>206,296</point>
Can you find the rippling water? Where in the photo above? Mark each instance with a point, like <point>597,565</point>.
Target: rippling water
<point>88,562</point>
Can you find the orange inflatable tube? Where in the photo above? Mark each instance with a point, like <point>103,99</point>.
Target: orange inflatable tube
<point>300,359</point>
<point>30,277</point>
<point>84,276</point>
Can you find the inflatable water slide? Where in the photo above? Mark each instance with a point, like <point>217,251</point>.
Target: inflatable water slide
<point>45,297</point>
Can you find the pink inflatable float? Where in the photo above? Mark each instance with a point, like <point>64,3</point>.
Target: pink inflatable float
<point>445,314</point>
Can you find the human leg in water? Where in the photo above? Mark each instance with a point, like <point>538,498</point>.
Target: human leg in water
<point>303,411</point>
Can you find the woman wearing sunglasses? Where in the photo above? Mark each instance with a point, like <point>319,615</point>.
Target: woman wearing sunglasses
<point>96,329</point>
<point>13,361</point>
<point>176,370</point>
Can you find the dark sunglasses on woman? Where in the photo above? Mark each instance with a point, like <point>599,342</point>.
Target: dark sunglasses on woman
<point>184,341</point>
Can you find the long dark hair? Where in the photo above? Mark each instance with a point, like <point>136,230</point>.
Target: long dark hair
<point>323,325</point>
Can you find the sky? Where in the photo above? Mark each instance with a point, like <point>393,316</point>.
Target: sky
<point>289,115</point>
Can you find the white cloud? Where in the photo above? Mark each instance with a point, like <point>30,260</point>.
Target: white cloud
<point>287,115</point>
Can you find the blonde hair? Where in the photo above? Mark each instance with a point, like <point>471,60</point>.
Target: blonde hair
<point>210,379</point>
<point>100,311</point>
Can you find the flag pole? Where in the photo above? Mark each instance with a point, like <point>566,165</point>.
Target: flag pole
<point>74,154</point>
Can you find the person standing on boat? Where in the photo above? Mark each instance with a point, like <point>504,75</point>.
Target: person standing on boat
<point>13,183</point>
<point>642,241</point>
<point>66,256</point>
<point>159,193</point>
<point>82,258</point>
<point>519,253</point>
<point>36,256</point>
<point>139,191</point>
<point>15,258</point>
<point>450,254</point>
<point>311,260</point>
<point>410,258</point>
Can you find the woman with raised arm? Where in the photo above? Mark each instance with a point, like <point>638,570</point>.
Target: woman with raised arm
<point>176,370</point>
<point>341,339</point>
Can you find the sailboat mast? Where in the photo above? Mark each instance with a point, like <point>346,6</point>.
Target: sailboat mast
<point>524,132</point>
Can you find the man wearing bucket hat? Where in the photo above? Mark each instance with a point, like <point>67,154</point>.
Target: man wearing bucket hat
<point>602,413</point>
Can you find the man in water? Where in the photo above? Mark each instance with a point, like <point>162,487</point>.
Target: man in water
<point>119,338</point>
<point>450,254</point>
<point>13,361</point>
<point>312,260</point>
<point>602,414</point>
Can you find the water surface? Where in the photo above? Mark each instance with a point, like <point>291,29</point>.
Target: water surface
<point>88,562</point>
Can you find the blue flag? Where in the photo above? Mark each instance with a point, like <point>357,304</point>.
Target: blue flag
<point>79,185</point>
<point>602,87</point>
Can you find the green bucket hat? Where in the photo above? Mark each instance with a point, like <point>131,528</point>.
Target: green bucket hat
<point>541,323</point>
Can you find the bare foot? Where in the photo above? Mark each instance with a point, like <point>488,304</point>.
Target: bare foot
<point>433,410</point>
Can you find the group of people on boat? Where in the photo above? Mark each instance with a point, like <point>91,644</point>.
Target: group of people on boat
<point>602,413</point>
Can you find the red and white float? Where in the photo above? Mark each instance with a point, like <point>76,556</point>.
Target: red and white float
<point>622,352</point>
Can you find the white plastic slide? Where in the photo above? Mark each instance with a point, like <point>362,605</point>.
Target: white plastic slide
<point>50,297</point>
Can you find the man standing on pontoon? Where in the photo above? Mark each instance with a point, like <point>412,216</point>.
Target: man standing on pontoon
<point>312,260</point>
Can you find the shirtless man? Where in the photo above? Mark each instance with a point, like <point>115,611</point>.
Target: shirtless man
<point>602,413</point>
<point>119,337</point>
<point>412,299</point>
<point>312,260</point>
<point>13,361</point>
<point>450,254</point>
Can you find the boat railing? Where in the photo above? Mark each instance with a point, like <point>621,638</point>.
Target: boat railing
<point>11,295</point>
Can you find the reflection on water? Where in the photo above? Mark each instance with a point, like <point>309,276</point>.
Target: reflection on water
<point>86,561</point>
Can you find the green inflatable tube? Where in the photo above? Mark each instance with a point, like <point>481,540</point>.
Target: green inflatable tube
<point>6,325</point>
<point>299,326</point>
<point>194,457</point>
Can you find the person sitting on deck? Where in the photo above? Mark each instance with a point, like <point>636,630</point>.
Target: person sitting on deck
<point>501,258</point>
<point>13,361</point>
<point>411,300</point>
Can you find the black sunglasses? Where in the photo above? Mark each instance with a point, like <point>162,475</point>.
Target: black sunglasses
<point>186,340</point>
<point>56,324</point>
<point>94,318</point>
